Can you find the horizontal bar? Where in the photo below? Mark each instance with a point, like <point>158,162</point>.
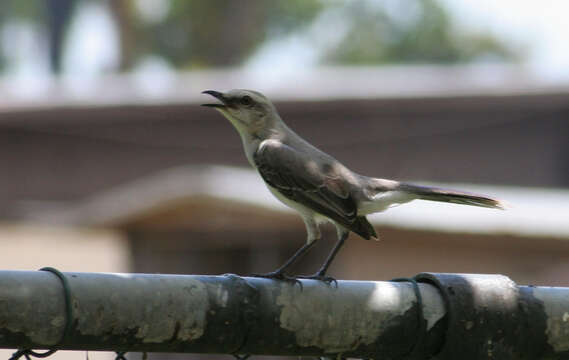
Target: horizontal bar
<point>238,315</point>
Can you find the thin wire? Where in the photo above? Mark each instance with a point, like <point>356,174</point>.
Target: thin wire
<point>68,320</point>
<point>421,323</point>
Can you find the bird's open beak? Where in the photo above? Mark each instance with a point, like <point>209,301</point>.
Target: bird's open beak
<point>218,95</point>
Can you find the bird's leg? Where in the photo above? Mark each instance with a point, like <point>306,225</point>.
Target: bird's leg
<point>343,235</point>
<point>321,274</point>
<point>279,273</point>
<point>313,236</point>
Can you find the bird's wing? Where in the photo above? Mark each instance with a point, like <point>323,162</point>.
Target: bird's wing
<point>317,185</point>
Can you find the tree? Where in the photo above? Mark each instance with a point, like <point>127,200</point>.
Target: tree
<point>205,33</point>
<point>409,32</point>
<point>201,33</point>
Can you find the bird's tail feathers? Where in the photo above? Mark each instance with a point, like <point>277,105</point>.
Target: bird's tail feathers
<point>363,228</point>
<point>451,196</point>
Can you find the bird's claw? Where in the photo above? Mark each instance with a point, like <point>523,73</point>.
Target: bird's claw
<point>320,277</point>
<point>279,275</point>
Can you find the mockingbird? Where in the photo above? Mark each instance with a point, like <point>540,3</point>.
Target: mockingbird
<point>315,184</point>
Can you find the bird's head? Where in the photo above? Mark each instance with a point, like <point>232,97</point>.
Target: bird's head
<point>249,111</point>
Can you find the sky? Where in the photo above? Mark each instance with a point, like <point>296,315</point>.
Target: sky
<point>539,28</point>
<point>540,25</point>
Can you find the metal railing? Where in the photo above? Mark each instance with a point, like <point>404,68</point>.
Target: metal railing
<point>452,316</point>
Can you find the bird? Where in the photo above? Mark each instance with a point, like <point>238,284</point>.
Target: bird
<point>319,187</point>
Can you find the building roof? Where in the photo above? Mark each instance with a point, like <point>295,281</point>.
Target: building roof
<point>532,212</point>
<point>312,84</point>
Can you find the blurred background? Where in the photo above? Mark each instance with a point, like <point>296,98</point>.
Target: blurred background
<point>108,163</point>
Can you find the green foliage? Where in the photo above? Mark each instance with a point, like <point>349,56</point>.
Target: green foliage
<point>201,33</point>
<point>409,32</point>
<point>22,10</point>
<point>221,32</point>
<point>29,10</point>
<point>209,33</point>
<point>285,16</point>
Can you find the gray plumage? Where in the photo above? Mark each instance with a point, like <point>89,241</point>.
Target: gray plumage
<point>315,184</point>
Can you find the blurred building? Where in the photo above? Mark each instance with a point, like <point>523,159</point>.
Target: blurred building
<point>167,179</point>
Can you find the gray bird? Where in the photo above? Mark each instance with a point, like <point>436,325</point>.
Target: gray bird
<point>315,184</point>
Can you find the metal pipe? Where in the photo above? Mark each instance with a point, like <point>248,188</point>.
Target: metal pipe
<point>236,315</point>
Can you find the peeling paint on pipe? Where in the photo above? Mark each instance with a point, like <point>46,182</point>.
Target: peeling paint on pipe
<point>557,311</point>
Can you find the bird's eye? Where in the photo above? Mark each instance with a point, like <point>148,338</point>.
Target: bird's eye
<point>246,100</point>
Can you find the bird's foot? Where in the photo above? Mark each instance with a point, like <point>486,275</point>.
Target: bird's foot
<point>278,275</point>
<point>320,277</point>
